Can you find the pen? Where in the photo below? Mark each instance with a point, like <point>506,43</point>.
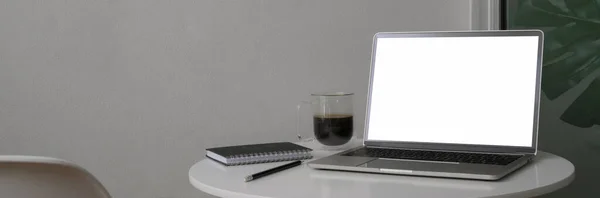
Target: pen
<point>272,170</point>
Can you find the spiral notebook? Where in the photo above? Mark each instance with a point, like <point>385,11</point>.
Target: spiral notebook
<point>258,153</point>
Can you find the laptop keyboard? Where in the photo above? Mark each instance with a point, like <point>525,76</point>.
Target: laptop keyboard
<point>474,158</point>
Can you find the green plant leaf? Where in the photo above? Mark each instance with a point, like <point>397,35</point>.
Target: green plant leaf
<point>585,110</point>
<point>572,39</point>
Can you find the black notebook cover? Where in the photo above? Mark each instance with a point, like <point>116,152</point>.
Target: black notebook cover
<point>259,153</point>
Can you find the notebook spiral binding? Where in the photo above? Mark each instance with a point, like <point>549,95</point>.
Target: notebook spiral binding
<point>269,157</point>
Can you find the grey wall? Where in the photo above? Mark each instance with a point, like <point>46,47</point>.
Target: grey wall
<point>134,90</point>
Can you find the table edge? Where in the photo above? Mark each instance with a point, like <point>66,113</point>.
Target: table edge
<point>216,191</point>
<point>530,193</point>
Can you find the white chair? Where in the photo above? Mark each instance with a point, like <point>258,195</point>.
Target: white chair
<point>44,177</point>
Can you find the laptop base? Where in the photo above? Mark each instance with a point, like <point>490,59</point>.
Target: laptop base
<point>417,168</point>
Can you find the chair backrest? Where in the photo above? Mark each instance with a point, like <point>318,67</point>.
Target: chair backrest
<point>37,177</point>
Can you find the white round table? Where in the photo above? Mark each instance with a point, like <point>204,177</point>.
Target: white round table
<point>545,174</point>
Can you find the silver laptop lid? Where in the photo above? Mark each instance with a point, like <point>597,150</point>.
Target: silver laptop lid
<point>463,91</point>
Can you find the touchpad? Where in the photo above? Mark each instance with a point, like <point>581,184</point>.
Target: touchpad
<point>413,165</point>
<point>342,160</point>
<point>393,164</point>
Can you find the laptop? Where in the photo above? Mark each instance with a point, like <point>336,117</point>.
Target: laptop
<point>449,104</point>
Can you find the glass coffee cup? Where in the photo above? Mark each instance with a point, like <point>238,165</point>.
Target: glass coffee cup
<point>332,119</point>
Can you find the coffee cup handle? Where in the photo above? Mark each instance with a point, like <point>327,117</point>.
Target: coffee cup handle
<point>299,135</point>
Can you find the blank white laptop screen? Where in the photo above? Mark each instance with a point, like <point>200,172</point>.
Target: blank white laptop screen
<point>457,90</point>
